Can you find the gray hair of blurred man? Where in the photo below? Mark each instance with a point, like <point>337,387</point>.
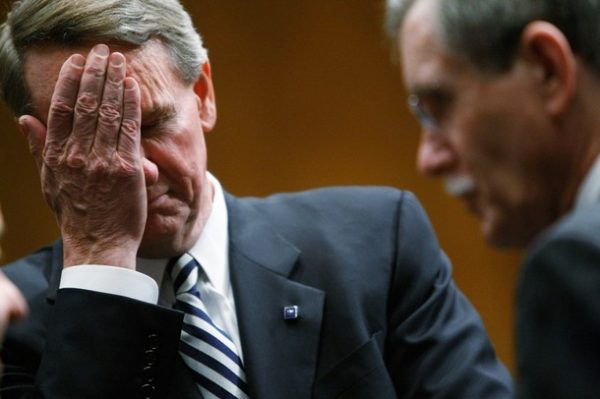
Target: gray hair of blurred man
<point>77,22</point>
<point>486,33</point>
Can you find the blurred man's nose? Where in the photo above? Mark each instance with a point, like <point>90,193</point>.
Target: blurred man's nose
<point>435,157</point>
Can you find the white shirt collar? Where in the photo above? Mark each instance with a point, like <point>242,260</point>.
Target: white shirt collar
<point>588,193</point>
<point>211,249</point>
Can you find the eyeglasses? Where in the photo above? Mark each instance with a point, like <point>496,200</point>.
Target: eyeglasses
<point>426,119</point>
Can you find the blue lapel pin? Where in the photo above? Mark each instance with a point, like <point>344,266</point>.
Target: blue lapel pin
<point>290,312</point>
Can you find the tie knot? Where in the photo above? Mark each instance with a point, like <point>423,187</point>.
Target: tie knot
<point>184,273</point>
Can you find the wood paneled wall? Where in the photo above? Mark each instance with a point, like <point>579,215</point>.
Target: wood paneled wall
<point>307,96</point>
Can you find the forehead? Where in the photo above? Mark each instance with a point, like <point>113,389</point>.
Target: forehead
<point>150,65</point>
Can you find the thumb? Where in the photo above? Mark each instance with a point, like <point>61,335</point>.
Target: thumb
<point>13,300</point>
<point>35,133</point>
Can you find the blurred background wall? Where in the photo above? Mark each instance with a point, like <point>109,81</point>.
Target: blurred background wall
<point>307,96</point>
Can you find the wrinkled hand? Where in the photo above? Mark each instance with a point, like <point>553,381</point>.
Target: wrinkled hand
<point>12,305</point>
<point>90,159</point>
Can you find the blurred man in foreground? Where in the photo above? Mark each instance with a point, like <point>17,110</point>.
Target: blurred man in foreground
<point>12,303</point>
<point>507,92</point>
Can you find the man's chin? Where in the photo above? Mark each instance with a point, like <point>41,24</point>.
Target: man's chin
<point>158,248</point>
<point>161,237</point>
<point>500,233</point>
<point>493,238</point>
<point>471,203</point>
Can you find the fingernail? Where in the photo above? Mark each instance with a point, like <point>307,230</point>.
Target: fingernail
<point>116,59</point>
<point>129,84</point>
<point>101,49</point>
<point>23,126</point>
<point>78,60</point>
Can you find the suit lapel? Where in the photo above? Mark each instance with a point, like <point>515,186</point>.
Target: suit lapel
<point>55,271</point>
<point>280,356</point>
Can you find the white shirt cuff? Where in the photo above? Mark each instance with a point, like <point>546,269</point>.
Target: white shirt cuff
<point>111,280</point>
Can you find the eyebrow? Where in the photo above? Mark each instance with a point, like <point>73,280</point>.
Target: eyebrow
<point>159,113</point>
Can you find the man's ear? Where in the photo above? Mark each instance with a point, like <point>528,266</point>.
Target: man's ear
<point>205,94</point>
<point>545,48</point>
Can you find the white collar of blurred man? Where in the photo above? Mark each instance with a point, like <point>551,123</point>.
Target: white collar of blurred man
<point>515,142</point>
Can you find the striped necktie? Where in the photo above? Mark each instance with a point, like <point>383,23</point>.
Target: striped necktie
<point>205,348</point>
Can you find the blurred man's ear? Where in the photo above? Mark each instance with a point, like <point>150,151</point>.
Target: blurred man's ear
<point>546,49</point>
<point>205,93</point>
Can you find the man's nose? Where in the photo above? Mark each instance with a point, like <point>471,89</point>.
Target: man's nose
<point>435,157</point>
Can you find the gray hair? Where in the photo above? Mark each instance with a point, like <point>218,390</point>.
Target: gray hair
<point>487,32</point>
<point>76,22</point>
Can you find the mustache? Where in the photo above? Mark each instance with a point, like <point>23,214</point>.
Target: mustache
<point>459,185</point>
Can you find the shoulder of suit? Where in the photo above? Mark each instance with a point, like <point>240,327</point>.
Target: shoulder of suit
<point>340,195</point>
<point>32,272</point>
<point>575,232</point>
<point>334,211</point>
<point>582,224</point>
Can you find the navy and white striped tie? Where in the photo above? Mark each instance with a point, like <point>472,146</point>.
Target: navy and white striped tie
<point>205,348</point>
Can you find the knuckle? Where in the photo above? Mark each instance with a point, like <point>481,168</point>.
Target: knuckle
<point>130,126</point>
<point>95,70</point>
<point>114,81</point>
<point>50,160</point>
<point>87,104</point>
<point>113,168</point>
<point>109,113</point>
<point>100,166</point>
<point>59,107</point>
<point>75,160</point>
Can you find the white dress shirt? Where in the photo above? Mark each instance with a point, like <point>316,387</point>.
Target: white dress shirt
<point>589,191</point>
<point>211,251</point>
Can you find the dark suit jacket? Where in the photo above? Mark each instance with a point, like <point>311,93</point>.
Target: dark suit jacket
<point>380,316</point>
<point>558,311</point>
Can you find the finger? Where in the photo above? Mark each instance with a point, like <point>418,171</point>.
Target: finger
<point>18,306</point>
<point>111,109</point>
<point>130,135</point>
<point>35,133</point>
<point>62,104</point>
<point>88,101</point>
<point>14,303</point>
